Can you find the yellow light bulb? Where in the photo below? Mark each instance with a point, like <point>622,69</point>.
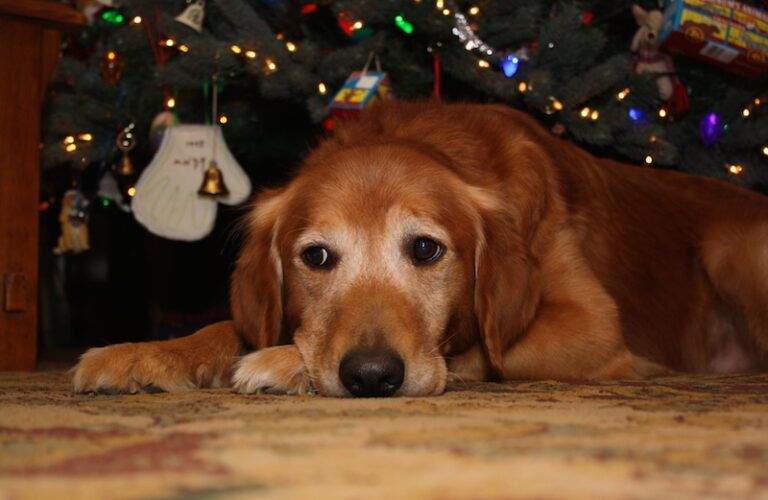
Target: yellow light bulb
<point>111,55</point>
<point>136,20</point>
<point>522,87</point>
<point>745,112</point>
<point>70,148</point>
<point>622,94</point>
<point>69,139</point>
<point>357,25</point>
<point>236,49</point>
<point>662,113</point>
<point>765,150</point>
<point>322,88</point>
<point>170,42</point>
<point>85,137</point>
<point>757,101</point>
<point>483,63</point>
<point>131,191</point>
<point>474,10</point>
<point>170,103</point>
<point>584,112</point>
<point>183,48</point>
<point>270,65</point>
<point>648,160</point>
<point>735,169</point>
<point>439,4</point>
<point>652,138</point>
<point>223,119</point>
<point>557,105</point>
<point>595,114</point>
<point>446,12</point>
<point>250,54</point>
<point>290,46</point>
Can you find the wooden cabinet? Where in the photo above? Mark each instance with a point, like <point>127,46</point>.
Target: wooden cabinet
<point>29,49</point>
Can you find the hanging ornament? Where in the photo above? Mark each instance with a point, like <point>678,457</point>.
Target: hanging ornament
<point>74,223</point>
<point>710,129</point>
<point>166,199</point>
<point>162,121</point>
<point>109,192</point>
<point>169,199</point>
<point>111,67</point>
<point>361,90</point>
<point>126,141</point>
<point>193,15</point>
<point>648,59</point>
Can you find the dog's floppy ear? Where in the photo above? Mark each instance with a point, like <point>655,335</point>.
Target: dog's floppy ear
<point>256,287</point>
<point>507,285</point>
<point>506,289</point>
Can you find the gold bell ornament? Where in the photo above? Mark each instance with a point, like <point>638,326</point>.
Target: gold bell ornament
<point>213,182</point>
<point>126,141</point>
<point>170,200</point>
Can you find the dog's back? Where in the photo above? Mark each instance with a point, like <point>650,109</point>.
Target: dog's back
<point>685,257</point>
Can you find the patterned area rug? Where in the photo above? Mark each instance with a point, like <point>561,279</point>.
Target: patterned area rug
<point>695,437</point>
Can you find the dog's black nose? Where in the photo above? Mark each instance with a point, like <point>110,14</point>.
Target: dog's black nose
<point>372,374</point>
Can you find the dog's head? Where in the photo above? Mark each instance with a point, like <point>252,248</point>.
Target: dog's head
<point>377,262</point>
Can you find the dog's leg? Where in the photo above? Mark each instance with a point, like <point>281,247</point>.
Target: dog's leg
<point>204,359</point>
<point>736,261</point>
<point>274,370</point>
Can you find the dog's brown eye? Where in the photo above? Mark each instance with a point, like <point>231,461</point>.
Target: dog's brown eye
<point>318,257</point>
<point>426,251</point>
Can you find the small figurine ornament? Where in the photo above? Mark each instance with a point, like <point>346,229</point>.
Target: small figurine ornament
<point>74,224</point>
<point>648,59</point>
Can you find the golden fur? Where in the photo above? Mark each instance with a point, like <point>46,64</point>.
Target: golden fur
<point>557,265</point>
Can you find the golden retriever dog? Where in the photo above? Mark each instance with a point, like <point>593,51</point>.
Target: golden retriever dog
<point>427,240</point>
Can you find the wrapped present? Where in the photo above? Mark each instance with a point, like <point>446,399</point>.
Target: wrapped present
<point>726,33</point>
<point>360,90</point>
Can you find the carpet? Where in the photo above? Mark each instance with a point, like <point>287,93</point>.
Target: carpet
<point>694,437</point>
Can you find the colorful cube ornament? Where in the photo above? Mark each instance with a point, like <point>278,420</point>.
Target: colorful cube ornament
<point>361,90</point>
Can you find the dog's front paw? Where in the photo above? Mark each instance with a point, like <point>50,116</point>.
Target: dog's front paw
<point>130,368</point>
<point>274,370</point>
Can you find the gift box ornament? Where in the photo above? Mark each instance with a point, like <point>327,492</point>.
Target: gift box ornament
<point>726,33</point>
<point>361,90</point>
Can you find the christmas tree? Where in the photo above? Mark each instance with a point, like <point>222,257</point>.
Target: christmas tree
<point>567,62</point>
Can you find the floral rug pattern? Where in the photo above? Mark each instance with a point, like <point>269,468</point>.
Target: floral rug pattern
<point>694,437</point>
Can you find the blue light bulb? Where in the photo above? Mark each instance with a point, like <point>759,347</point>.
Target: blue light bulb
<point>636,114</point>
<point>510,65</point>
